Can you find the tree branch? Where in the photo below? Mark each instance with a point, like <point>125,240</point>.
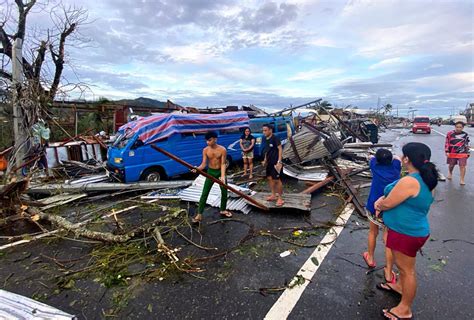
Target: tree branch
<point>6,43</point>
<point>5,75</point>
<point>58,58</point>
<point>39,60</point>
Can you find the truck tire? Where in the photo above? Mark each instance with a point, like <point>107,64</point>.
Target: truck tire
<point>152,175</point>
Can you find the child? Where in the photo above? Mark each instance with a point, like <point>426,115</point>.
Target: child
<point>457,150</point>
<point>385,169</point>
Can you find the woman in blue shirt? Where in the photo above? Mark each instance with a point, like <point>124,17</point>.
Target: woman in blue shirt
<point>405,209</point>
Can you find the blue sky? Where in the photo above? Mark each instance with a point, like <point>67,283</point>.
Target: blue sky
<point>271,54</point>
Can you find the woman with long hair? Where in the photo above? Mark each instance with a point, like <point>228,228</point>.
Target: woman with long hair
<point>405,208</point>
<point>247,142</point>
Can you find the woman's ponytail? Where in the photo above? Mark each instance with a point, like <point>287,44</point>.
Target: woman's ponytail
<point>429,173</point>
<point>419,154</point>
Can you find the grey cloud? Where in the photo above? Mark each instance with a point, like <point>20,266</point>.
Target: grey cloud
<point>118,81</point>
<point>269,17</point>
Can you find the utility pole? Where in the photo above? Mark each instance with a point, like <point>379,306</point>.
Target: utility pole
<point>17,79</point>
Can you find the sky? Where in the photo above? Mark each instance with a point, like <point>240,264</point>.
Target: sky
<point>412,54</point>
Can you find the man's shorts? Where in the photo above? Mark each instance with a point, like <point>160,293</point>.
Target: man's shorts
<point>270,171</point>
<point>247,155</point>
<point>462,162</point>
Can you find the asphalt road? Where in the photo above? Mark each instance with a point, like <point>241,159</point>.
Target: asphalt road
<point>342,290</point>
<point>229,289</point>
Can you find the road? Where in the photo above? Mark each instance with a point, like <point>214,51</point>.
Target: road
<point>342,289</point>
<point>335,284</point>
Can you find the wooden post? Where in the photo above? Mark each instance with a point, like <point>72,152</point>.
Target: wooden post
<point>191,167</point>
<point>318,185</point>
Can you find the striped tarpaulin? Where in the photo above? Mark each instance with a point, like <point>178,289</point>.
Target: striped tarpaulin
<point>160,126</point>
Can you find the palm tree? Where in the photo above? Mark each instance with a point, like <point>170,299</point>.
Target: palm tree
<point>388,108</point>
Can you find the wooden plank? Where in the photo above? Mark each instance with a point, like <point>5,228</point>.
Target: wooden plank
<point>292,201</point>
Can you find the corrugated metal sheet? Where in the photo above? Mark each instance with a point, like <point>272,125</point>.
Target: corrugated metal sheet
<point>234,203</point>
<point>16,307</point>
<point>306,174</point>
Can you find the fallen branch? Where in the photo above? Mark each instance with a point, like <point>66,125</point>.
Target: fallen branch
<point>82,232</point>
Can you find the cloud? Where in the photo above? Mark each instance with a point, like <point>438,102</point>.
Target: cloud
<point>269,17</point>
<point>315,74</point>
<point>385,63</point>
<point>277,52</point>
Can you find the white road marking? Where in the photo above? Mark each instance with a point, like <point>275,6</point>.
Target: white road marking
<point>440,133</point>
<point>288,299</point>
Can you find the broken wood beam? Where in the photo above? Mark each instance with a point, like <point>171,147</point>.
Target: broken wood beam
<point>349,189</point>
<point>205,174</point>
<point>318,185</point>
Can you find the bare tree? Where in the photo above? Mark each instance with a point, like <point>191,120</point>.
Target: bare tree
<point>33,63</point>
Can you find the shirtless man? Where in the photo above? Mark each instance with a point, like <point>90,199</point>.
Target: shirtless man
<point>214,157</point>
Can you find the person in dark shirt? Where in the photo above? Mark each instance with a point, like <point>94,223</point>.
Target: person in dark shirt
<point>247,142</point>
<point>272,152</point>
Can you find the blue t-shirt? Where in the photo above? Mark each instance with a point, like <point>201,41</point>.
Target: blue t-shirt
<point>382,175</point>
<point>411,216</point>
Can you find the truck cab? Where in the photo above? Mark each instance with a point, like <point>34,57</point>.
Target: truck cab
<point>132,159</point>
<point>421,124</point>
<point>283,127</point>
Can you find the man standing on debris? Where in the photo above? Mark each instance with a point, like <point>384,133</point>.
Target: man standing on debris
<point>214,158</point>
<point>272,152</point>
<point>457,150</point>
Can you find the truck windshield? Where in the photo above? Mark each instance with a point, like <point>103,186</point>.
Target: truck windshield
<point>122,140</point>
<point>422,120</point>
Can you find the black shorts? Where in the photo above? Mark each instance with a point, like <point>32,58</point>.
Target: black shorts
<point>270,171</point>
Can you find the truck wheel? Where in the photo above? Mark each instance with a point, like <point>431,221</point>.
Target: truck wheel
<point>152,175</point>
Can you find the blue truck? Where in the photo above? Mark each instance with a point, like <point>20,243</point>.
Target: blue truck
<point>132,159</point>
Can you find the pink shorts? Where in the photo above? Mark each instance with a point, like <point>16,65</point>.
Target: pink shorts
<point>462,162</point>
<point>403,243</point>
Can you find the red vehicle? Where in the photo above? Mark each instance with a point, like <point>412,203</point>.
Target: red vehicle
<point>421,124</point>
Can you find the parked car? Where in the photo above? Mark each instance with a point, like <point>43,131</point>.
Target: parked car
<point>421,124</point>
<point>132,159</point>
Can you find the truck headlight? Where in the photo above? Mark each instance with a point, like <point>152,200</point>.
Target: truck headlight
<point>117,160</point>
<point>259,140</point>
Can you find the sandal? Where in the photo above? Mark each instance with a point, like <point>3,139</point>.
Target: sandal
<point>226,214</point>
<point>280,202</point>
<point>394,277</point>
<point>391,315</point>
<point>271,198</point>
<point>384,286</point>
<point>196,220</point>
<point>372,265</point>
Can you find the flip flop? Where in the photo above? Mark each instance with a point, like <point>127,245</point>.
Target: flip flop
<point>392,315</point>
<point>394,277</point>
<point>372,265</point>
<point>387,288</point>
<point>226,214</point>
<point>271,198</point>
<point>196,221</point>
<point>280,202</point>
